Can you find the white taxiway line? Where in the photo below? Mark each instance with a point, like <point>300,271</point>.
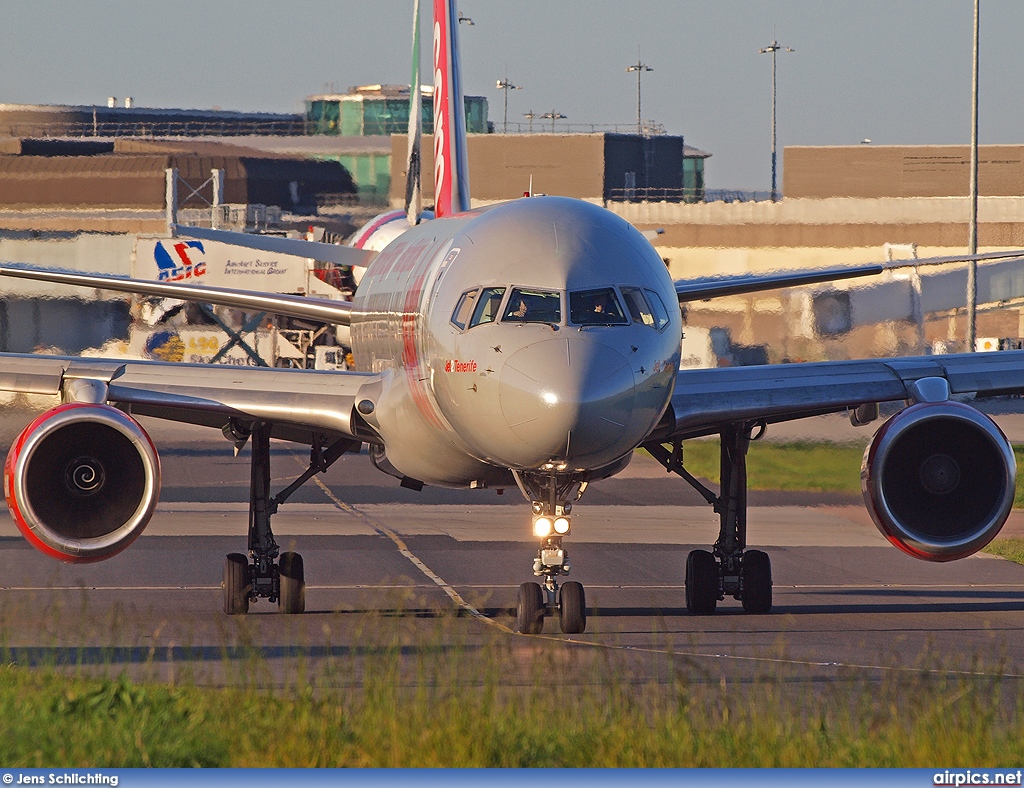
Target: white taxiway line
<point>383,530</point>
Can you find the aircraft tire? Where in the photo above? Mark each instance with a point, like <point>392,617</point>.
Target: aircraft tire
<point>530,609</point>
<point>701,583</point>
<point>236,584</point>
<point>293,584</point>
<point>757,581</point>
<point>572,609</point>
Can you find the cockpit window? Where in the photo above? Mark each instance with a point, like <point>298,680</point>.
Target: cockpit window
<point>637,305</point>
<point>533,306</point>
<point>464,308</point>
<point>595,308</point>
<point>488,305</point>
<point>660,313</point>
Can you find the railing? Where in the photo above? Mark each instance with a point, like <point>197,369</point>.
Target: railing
<point>298,127</point>
<point>159,128</point>
<point>232,216</point>
<point>733,195</point>
<point>339,199</point>
<point>656,194</point>
<point>541,126</point>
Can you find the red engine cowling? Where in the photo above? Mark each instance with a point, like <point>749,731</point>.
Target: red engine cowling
<point>938,479</point>
<point>82,481</point>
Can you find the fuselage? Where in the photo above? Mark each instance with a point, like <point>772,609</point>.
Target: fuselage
<point>539,335</point>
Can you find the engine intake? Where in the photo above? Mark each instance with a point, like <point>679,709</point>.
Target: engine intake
<point>82,481</point>
<point>939,480</point>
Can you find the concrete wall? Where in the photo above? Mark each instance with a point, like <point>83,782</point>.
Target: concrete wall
<point>900,171</point>
<point>501,166</point>
<point>719,238</point>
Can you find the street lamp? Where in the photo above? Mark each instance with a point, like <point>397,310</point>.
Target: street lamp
<point>972,242</point>
<point>772,49</point>
<point>504,84</point>
<point>553,116</point>
<point>639,68</point>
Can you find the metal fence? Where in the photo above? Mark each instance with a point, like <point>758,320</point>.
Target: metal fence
<point>734,195</point>
<point>656,194</point>
<point>541,125</point>
<point>160,128</point>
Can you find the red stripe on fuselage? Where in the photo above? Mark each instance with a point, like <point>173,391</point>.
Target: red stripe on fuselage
<point>368,230</point>
<point>397,279</point>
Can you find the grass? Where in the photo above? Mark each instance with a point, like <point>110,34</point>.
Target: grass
<point>810,467</point>
<point>1012,549</point>
<point>807,467</point>
<point>514,702</point>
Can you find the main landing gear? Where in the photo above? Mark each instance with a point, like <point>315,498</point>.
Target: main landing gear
<point>730,568</point>
<point>551,522</point>
<point>267,572</point>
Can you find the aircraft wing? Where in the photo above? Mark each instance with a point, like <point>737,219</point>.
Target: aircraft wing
<point>717,286</point>
<point>321,309</point>
<point>330,253</point>
<point>298,403</point>
<point>707,399</point>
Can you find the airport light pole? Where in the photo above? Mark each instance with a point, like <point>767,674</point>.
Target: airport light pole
<point>972,241</point>
<point>504,84</point>
<point>553,116</point>
<point>640,67</point>
<point>529,118</point>
<point>773,48</point>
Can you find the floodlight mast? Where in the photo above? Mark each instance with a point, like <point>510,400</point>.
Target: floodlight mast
<point>639,67</point>
<point>505,85</point>
<point>972,241</point>
<point>772,49</point>
<point>553,116</point>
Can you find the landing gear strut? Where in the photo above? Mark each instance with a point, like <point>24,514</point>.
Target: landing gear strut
<point>551,522</point>
<point>268,573</point>
<point>730,569</point>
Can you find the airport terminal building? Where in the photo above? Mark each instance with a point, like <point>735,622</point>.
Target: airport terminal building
<point>98,175</point>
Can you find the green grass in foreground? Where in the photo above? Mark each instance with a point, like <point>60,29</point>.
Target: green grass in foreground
<point>810,467</point>
<point>1012,549</point>
<point>515,702</point>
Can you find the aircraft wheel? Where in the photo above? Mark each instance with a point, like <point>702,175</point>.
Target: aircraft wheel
<point>757,581</point>
<point>572,608</point>
<point>530,609</point>
<point>293,584</point>
<point>701,583</point>
<point>236,584</point>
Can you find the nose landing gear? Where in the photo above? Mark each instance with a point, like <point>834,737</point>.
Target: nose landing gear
<point>536,601</point>
<point>551,496</point>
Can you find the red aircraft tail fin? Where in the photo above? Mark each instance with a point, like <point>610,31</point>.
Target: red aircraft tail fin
<point>451,159</point>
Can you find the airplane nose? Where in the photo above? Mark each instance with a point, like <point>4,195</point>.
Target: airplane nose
<point>570,399</point>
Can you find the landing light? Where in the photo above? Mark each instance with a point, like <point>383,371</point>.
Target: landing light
<point>542,527</point>
<point>549,398</point>
<point>562,525</point>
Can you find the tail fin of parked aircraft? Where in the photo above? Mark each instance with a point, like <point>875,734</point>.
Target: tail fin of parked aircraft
<point>451,159</point>
<point>413,193</point>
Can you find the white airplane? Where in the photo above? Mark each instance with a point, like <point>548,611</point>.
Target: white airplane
<point>531,344</point>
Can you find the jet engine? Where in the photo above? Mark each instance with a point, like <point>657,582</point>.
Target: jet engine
<point>938,479</point>
<point>82,481</point>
